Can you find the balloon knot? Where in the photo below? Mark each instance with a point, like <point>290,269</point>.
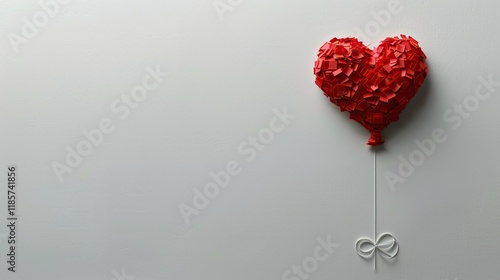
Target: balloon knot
<point>375,139</point>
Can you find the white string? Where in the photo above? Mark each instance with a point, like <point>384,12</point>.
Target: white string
<point>386,244</point>
<point>375,202</point>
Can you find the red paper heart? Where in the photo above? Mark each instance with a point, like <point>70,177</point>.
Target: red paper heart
<point>374,86</point>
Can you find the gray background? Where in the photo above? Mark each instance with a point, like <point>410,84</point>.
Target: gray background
<point>116,216</point>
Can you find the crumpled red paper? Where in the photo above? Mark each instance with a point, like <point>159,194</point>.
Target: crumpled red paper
<point>374,86</point>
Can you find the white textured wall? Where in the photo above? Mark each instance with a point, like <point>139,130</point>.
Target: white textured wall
<point>114,213</point>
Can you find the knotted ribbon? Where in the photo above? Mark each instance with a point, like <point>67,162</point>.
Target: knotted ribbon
<point>386,246</point>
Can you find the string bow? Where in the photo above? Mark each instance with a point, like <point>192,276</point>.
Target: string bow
<point>386,246</point>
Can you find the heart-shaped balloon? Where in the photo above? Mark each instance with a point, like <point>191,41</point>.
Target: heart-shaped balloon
<point>374,86</point>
